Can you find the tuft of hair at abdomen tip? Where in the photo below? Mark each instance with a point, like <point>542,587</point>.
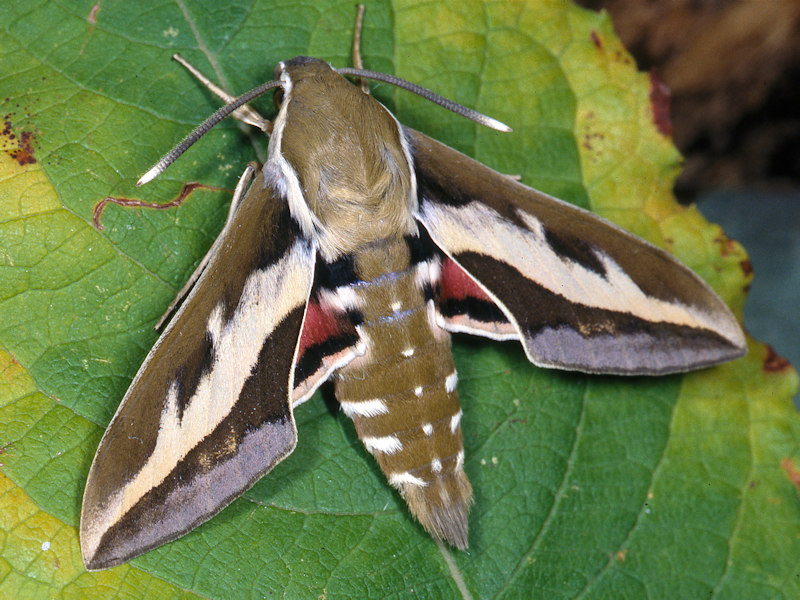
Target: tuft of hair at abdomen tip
<point>442,506</point>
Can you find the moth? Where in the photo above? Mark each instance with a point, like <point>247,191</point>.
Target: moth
<point>350,256</point>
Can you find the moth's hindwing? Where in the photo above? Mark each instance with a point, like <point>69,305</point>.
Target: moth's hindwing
<point>579,292</point>
<point>209,412</point>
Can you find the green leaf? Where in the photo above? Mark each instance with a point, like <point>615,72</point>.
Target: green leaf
<point>591,487</point>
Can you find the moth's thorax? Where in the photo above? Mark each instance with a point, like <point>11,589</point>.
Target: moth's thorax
<point>349,159</point>
<point>401,393</point>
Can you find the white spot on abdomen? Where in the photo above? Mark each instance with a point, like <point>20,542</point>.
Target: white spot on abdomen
<point>405,478</point>
<point>385,445</point>
<point>455,421</point>
<point>451,382</point>
<point>364,408</point>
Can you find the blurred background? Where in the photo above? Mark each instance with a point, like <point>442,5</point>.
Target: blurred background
<point>732,68</point>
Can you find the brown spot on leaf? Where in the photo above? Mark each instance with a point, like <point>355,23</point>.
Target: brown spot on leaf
<point>774,362</point>
<point>17,146</point>
<point>792,474</point>
<point>747,267</point>
<point>727,246</point>
<point>590,138</point>
<point>659,103</point>
<point>622,57</point>
<point>596,39</point>
<point>620,556</point>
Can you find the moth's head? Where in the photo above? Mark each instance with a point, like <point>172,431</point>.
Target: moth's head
<point>288,72</point>
<point>300,64</point>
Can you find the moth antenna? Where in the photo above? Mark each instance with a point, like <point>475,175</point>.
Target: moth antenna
<point>459,109</point>
<point>171,156</point>
<point>357,46</point>
<point>245,114</point>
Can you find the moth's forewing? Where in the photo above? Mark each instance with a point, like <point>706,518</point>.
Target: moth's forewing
<point>209,411</point>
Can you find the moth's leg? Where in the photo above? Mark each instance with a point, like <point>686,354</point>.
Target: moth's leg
<point>245,114</point>
<point>357,47</point>
<point>187,190</point>
<point>238,194</point>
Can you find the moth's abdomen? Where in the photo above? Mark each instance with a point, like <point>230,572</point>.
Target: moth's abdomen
<point>401,394</point>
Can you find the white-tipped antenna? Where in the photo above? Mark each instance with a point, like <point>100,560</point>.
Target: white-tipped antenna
<point>459,109</point>
<point>203,128</point>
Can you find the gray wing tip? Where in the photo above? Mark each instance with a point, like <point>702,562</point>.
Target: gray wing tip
<point>629,353</point>
<point>99,562</point>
